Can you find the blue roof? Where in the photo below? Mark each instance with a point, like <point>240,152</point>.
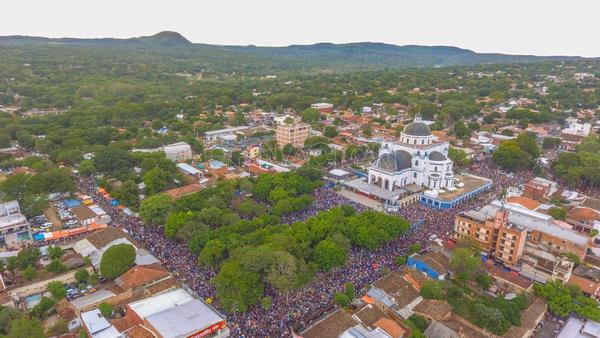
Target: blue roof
<point>72,203</point>
<point>216,164</point>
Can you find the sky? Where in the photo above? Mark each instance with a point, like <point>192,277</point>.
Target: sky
<point>549,27</point>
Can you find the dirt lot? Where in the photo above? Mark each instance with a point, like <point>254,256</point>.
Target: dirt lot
<point>53,218</point>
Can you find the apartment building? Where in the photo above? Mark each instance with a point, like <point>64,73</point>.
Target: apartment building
<point>501,239</point>
<point>294,134</point>
<point>508,231</point>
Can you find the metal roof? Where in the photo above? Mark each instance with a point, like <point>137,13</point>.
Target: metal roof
<point>361,185</point>
<point>161,302</point>
<point>92,298</point>
<point>533,220</point>
<point>185,319</point>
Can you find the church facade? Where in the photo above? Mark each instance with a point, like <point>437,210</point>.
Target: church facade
<point>416,158</point>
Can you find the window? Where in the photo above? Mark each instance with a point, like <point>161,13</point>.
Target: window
<point>415,175</point>
<point>417,162</point>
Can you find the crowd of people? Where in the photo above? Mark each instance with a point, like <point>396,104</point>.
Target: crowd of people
<point>293,311</point>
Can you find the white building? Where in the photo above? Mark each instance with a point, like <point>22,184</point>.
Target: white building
<point>178,152</point>
<point>214,135</point>
<point>14,228</point>
<point>416,158</point>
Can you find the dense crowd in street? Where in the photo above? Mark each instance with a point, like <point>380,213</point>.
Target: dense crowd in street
<point>292,311</point>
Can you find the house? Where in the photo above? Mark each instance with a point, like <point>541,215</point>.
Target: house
<point>368,320</point>
<point>184,190</point>
<point>97,326</point>
<point>583,219</point>
<point>94,246</point>
<point>434,264</point>
<point>589,287</point>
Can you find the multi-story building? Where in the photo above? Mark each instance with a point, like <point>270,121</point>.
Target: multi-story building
<point>14,228</point>
<point>501,239</point>
<point>294,134</point>
<point>508,231</point>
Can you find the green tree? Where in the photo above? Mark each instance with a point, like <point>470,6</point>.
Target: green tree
<point>329,254</point>
<point>311,115</point>
<point>464,263</point>
<point>55,252</point>
<point>25,328</point>
<point>330,132</point>
<point>459,157</point>
<point>155,181</point>
<point>342,299</point>
<point>82,276</point>
<point>155,209</point>
<point>213,253</point>
<point>56,266</point>
<point>432,289</point>
<point>128,194</point>
<point>283,272</point>
<point>106,309</point>
<point>116,260</point>
<point>237,287</point>
<point>461,131</point>
<point>528,143</point>
<point>558,213</point>
<point>87,168</point>
<point>29,272</point>
<point>57,289</point>
<point>110,160</point>
<point>483,280</point>
<point>510,156</point>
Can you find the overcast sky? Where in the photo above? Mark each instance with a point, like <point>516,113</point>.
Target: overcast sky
<point>548,27</point>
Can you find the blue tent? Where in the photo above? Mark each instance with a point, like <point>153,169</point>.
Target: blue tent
<point>72,203</point>
<point>114,203</point>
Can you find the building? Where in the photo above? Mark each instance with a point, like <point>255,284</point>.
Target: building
<point>94,246</point>
<point>178,152</point>
<point>583,219</point>
<point>501,239</point>
<point>294,134</point>
<point>433,264</point>
<point>177,314</point>
<point>527,241</point>
<point>579,328</point>
<point>97,326</point>
<point>574,134</point>
<point>416,158</point>
<point>223,134</point>
<point>323,107</point>
<point>540,187</point>
<point>251,152</point>
<point>367,320</point>
<point>14,228</point>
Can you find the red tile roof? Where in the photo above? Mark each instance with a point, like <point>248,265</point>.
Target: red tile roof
<point>141,275</point>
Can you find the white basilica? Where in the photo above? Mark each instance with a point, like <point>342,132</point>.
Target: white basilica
<point>413,159</point>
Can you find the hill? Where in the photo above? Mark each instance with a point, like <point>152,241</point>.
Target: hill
<point>321,56</point>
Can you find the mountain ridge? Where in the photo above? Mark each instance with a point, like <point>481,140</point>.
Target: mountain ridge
<point>372,54</point>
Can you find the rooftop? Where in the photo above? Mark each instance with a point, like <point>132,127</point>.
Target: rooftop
<point>363,186</point>
<point>471,183</point>
<point>185,319</point>
<point>331,326</point>
<point>141,275</point>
